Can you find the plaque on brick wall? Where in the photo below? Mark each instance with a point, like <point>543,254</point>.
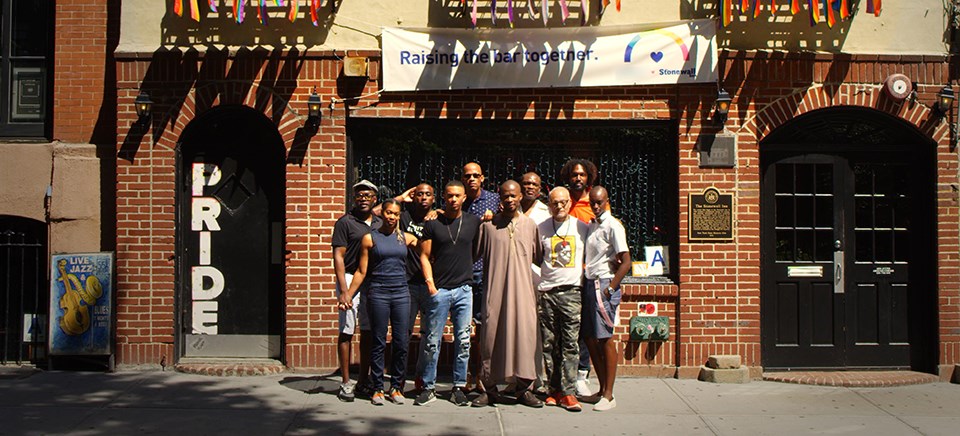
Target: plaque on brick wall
<point>710,216</point>
<point>717,151</point>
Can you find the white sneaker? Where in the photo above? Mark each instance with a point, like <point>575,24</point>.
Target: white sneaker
<point>605,404</point>
<point>583,389</point>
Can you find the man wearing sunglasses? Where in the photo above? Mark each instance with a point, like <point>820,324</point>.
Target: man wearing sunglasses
<point>483,204</point>
<point>347,234</point>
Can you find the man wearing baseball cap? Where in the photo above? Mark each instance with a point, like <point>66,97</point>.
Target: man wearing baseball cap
<point>347,234</point>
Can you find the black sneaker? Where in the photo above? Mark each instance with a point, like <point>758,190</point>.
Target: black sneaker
<point>364,390</point>
<point>459,398</point>
<point>425,397</point>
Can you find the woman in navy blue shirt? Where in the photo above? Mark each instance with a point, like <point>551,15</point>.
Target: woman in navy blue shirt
<point>383,257</point>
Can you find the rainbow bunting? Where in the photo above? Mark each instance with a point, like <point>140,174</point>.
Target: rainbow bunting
<point>844,9</point>
<point>873,7</point>
<point>529,8</point>
<point>564,11</point>
<point>294,10</point>
<point>194,10</point>
<point>213,5</point>
<point>544,12</point>
<point>585,9</point>
<point>262,12</point>
<point>794,6</point>
<point>773,7</point>
<point>314,5</point>
<point>618,5</point>
<point>726,12</point>
<point>756,9</point>
<point>814,11</point>
<point>473,15</point>
<point>178,7</point>
<point>831,16</point>
<point>744,6</point>
<point>510,12</point>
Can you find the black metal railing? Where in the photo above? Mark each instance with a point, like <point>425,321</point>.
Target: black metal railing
<point>23,291</point>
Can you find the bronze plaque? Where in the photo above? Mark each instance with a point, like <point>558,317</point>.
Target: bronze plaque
<point>711,216</point>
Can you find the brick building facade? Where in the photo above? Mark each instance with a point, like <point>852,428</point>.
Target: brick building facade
<point>715,302</point>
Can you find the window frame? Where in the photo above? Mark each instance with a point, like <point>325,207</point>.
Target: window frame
<point>25,130</point>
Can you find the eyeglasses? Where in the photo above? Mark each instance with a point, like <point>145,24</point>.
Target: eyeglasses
<point>472,176</point>
<point>559,203</point>
<point>364,196</point>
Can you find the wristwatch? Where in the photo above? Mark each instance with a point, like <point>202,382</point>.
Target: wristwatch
<point>609,290</point>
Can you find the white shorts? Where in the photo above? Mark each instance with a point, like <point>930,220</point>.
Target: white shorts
<point>350,318</point>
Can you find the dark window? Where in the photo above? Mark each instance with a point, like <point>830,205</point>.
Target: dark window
<point>636,161</point>
<point>25,26</point>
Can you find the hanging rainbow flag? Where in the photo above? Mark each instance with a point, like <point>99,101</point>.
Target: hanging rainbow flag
<point>756,9</point>
<point>773,7</point>
<point>178,7</point>
<point>493,11</point>
<point>585,11</point>
<point>726,12</point>
<point>294,10</point>
<point>814,11</point>
<point>744,6</point>
<point>314,5</point>
<point>544,12</point>
<point>213,5</point>
<point>510,12</point>
<point>473,15</point>
<point>831,16</point>
<point>262,12</point>
<point>564,11</point>
<point>794,6</point>
<point>873,7</point>
<point>194,10</point>
<point>238,11</point>
<point>844,10</point>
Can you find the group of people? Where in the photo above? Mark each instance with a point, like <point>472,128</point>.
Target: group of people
<point>541,282</point>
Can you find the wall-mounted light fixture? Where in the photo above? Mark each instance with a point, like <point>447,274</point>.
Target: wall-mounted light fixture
<point>354,66</point>
<point>944,99</point>
<point>722,106</point>
<point>143,105</point>
<point>313,108</point>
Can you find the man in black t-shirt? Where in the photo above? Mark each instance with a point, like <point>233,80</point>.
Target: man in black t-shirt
<point>347,234</point>
<point>419,204</point>
<point>446,256</point>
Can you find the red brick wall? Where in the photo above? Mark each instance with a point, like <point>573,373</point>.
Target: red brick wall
<point>80,52</point>
<point>718,298</point>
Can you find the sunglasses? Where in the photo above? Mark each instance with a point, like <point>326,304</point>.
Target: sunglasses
<point>364,196</point>
<point>472,176</point>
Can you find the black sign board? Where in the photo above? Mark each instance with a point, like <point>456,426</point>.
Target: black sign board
<point>711,216</point>
<point>717,151</point>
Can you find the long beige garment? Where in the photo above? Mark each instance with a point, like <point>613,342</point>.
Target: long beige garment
<point>509,331</point>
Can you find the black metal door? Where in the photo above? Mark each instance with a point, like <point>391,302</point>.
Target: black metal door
<point>802,302</point>
<point>24,290</point>
<point>836,279</point>
<point>231,209</point>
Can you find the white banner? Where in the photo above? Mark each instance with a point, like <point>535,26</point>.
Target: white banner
<point>433,59</point>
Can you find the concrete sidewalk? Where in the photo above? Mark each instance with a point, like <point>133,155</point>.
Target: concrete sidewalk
<point>86,403</point>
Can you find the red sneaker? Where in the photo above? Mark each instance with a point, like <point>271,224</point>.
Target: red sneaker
<point>570,403</point>
<point>553,399</point>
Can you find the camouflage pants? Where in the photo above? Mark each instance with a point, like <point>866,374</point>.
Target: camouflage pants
<point>560,330</point>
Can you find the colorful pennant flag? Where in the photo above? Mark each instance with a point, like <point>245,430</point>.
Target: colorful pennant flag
<point>756,9</point>
<point>213,5</point>
<point>510,12</point>
<point>726,12</point>
<point>314,5</point>
<point>773,7</point>
<point>544,12</point>
<point>831,16</point>
<point>873,7</point>
<point>584,11</point>
<point>178,7</point>
<point>794,6</point>
<point>744,6</point>
<point>564,11</point>
<point>262,12</point>
<point>473,15</point>
<point>194,10</point>
<point>814,11</point>
<point>844,9</point>
<point>294,10</point>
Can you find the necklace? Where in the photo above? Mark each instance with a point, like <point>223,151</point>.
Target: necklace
<point>556,230</point>
<point>459,226</point>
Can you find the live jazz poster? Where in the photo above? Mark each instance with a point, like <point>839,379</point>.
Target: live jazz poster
<point>81,304</point>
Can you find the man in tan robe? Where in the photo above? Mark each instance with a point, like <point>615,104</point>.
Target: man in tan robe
<point>509,244</point>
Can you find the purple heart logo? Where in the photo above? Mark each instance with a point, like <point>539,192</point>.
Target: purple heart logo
<point>656,56</point>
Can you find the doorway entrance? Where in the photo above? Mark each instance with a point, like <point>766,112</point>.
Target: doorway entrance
<point>230,209</point>
<point>848,243</point>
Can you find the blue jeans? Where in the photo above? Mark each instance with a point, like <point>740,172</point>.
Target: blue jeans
<point>458,303</point>
<point>389,306</point>
<point>419,300</point>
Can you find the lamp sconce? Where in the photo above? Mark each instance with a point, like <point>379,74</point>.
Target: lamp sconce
<point>722,107</point>
<point>143,105</point>
<point>945,100</point>
<point>313,109</point>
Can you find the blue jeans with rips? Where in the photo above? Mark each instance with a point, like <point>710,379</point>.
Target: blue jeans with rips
<point>458,303</point>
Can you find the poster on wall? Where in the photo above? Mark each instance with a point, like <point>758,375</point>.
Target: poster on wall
<point>445,59</point>
<point>81,304</point>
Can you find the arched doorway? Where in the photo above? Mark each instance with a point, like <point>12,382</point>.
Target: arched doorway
<point>848,243</point>
<point>230,235</point>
